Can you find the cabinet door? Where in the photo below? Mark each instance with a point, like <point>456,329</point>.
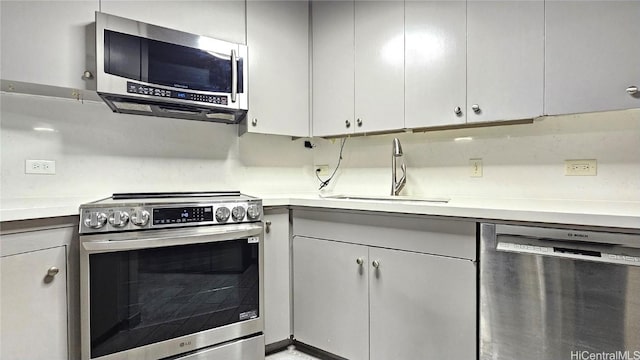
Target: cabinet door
<point>49,42</point>
<point>278,41</point>
<point>330,297</point>
<point>220,19</point>
<point>379,65</point>
<point>33,314</point>
<point>333,67</point>
<point>436,63</point>
<point>422,306</point>
<point>592,55</point>
<point>505,59</point>
<point>277,275</point>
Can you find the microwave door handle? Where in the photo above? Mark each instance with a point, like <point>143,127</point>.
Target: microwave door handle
<point>234,76</point>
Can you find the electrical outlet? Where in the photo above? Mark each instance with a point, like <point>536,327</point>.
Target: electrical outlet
<point>475,167</point>
<point>46,167</point>
<point>321,170</point>
<point>584,167</point>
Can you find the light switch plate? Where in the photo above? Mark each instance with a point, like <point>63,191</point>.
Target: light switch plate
<point>475,167</point>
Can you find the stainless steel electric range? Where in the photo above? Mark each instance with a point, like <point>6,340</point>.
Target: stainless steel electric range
<point>172,276</point>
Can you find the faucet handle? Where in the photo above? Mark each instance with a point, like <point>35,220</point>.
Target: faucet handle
<point>403,179</point>
<point>397,187</point>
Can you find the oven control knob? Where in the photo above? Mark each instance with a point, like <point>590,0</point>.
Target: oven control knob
<point>222,214</point>
<point>95,220</point>
<point>253,212</point>
<point>238,213</point>
<point>118,219</point>
<point>140,217</point>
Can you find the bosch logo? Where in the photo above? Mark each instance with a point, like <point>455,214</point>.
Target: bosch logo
<point>576,235</point>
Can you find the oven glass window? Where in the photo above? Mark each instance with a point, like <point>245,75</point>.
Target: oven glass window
<point>146,296</point>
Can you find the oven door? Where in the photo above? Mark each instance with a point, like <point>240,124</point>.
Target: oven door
<point>154,294</point>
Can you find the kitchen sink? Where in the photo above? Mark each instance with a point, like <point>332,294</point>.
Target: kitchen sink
<point>388,198</point>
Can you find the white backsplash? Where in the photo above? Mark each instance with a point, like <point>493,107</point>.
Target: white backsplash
<point>98,152</point>
<point>519,161</point>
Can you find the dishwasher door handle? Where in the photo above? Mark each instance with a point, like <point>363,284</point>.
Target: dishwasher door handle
<point>606,239</point>
<point>571,253</point>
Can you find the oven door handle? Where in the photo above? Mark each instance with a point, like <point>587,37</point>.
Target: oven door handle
<point>250,232</point>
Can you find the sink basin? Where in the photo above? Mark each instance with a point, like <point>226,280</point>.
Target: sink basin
<point>389,198</point>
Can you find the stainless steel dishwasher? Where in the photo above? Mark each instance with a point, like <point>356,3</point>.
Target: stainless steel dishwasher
<point>556,294</point>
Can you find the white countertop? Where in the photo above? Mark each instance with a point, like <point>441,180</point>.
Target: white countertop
<point>616,214</point>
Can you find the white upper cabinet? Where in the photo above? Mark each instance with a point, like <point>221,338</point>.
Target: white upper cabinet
<point>223,19</point>
<point>436,63</point>
<point>333,67</point>
<point>278,41</point>
<point>592,56</point>
<point>358,66</point>
<point>48,42</point>
<point>379,65</point>
<point>505,60</point>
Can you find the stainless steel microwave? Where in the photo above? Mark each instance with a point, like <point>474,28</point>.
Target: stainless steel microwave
<point>151,70</point>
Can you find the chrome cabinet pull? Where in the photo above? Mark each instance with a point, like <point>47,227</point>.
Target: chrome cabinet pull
<point>267,226</point>
<point>53,271</point>
<point>234,76</point>
<point>375,264</point>
<point>457,110</point>
<point>347,123</point>
<point>632,90</point>
<point>359,122</point>
<point>254,122</point>
<point>475,108</point>
<point>360,261</point>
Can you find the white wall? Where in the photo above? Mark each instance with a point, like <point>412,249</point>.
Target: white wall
<point>98,153</point>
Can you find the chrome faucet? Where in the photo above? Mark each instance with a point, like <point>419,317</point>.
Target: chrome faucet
<point>396,186</point>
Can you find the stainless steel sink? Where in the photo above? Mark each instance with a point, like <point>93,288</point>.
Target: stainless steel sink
<point>388,198</point>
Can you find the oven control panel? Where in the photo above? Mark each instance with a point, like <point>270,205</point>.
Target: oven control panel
<point>123,218</point>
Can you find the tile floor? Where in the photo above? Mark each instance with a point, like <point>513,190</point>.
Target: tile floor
<point>290,354</point>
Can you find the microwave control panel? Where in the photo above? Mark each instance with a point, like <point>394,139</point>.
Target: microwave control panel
<point>135,88</point>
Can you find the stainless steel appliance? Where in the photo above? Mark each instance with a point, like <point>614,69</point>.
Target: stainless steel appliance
<point>151,70</point>
<point>172,275</point>
<point>556,294</point>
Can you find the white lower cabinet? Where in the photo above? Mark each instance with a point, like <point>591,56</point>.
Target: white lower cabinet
<point>421,306</point>
<point>33,313</point>
<point>277,271</point>
<point>356,297</point>
<point>330,296</point>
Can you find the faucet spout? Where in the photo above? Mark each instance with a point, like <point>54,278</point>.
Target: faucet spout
<point>397,185</point>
